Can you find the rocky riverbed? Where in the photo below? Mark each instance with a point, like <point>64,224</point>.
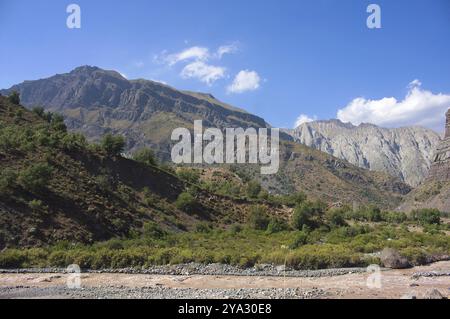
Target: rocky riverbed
<point>225,282</point>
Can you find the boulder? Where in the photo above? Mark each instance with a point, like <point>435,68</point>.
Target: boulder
<point>391,258</point>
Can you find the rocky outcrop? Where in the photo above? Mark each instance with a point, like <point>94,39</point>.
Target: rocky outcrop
<point>434,192</point>
<point>405,152</point>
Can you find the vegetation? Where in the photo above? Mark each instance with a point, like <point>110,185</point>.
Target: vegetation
<point>113,145</point>
<point>145,156</point>
<point>14,98</point>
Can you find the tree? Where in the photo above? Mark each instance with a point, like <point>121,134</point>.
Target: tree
<point>303,214</point>
<point>427,216</point>
<point>145,156</point>
<point>57,122</point>
<point>35,178</point>
<point>253,189</point>
<point>14,98</point>
<point>258,218</point>
<point>335,218</point>
<point>113,145</point>
<point>186,202</point>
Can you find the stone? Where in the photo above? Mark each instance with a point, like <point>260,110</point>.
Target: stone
<point>391,258</point>
<point>440,168</point>
<point>434,294</point>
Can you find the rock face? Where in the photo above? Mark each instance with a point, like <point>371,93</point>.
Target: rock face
<point>96,101</point>
<point>402,152</point>
<point>434,192</point>
<point>440,168</point>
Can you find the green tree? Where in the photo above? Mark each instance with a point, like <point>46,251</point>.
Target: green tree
<point>303,215</point>
<point>113,145</point>
<point>258,218</point>
<point>35,178</point>
<point>14,98</point>
<point>427,216</point>
<point>145,156</point>
<point>335,218</point>
<point>186,202</point>
<point>253,189</point>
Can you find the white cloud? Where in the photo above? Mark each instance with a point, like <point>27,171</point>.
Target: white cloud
<point>419,107</point>
<point>226,49</point>
<point>303,118</point>
<point>193,53</point>
<point>245,81</point>
<point>203,72</point>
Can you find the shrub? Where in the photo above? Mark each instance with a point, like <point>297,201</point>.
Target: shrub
<point>335,218</point>
<point>300,240</point>
<point>189,175</point>
<point>35,178</point>
<point>303,215</point>
<point>8,180</point>
<point>427,216</point>
<point>202,228</point>
<point>153,231</point>
<point>276,225</point>
<point>57,123</point>
<point>14,98</point>
<point>186,202</point>
<point>35,205</point>
<point>73,141</point>
<point>145,156</point>
<point>113,145</point>
<point>258,218</point>
<point>253,189</point>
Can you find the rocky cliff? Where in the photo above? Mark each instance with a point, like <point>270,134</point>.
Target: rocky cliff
<point>402,152</point>
<point>434,192</point>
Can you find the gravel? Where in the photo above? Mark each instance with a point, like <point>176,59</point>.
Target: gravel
<point>159,293</point>
<point>210,269</point>
<point>429,274</point>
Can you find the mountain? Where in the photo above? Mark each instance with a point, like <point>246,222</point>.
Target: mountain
<point>96,101</point>
<point>402,152</point>
<point>54,187</point>
<point>434,192</point>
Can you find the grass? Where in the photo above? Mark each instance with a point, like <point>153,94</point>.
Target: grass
<point>348,246</point>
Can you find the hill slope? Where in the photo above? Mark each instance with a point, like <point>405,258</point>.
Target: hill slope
<point>96,101</point>
<point>402,152</point>
<point>54,186</point>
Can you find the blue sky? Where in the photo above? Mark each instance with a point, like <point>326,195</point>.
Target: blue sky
<point>301,57</point>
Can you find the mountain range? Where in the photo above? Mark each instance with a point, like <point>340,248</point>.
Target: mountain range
<point>404,152</point>
<point>96,101</point>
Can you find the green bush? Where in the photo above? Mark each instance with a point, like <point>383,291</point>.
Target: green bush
<point>335,218</point>
<point>35,178</point>
<point>253,189</point>
<point>153,231</point>
<point>35,205</point>
<point>145,156</point>
<point>189,175</point>
<point>258,218</point>
<point>427,216</point>
<point>276,225</point>
<point>186,202</point>
<point>8,179</point>
<point>14,98</point>
<point>304,215</point>
<point>113,145</point>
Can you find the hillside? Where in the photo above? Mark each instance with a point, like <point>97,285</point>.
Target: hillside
<point>402,152</point>
<point>54,186</point>
<point>96,101</point>
<point>434,192</point>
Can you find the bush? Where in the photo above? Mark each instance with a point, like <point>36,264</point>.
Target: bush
<point>427,216</point>
<point>14,98</point>
<point>258,218</point>
<point>35,205</point>
<point>153,231</point>
<point>8,180</point>
<point>113,145</point>
<point>300,240</point>
<point>35,178</point>
<point>335,218</point>
<point>253,189</point>
<point>189,175</point>
<point>186,202</point>
<point>57,123</point>
<point>145,156</point>
<point>303,215</point>
<point>276,225</point>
